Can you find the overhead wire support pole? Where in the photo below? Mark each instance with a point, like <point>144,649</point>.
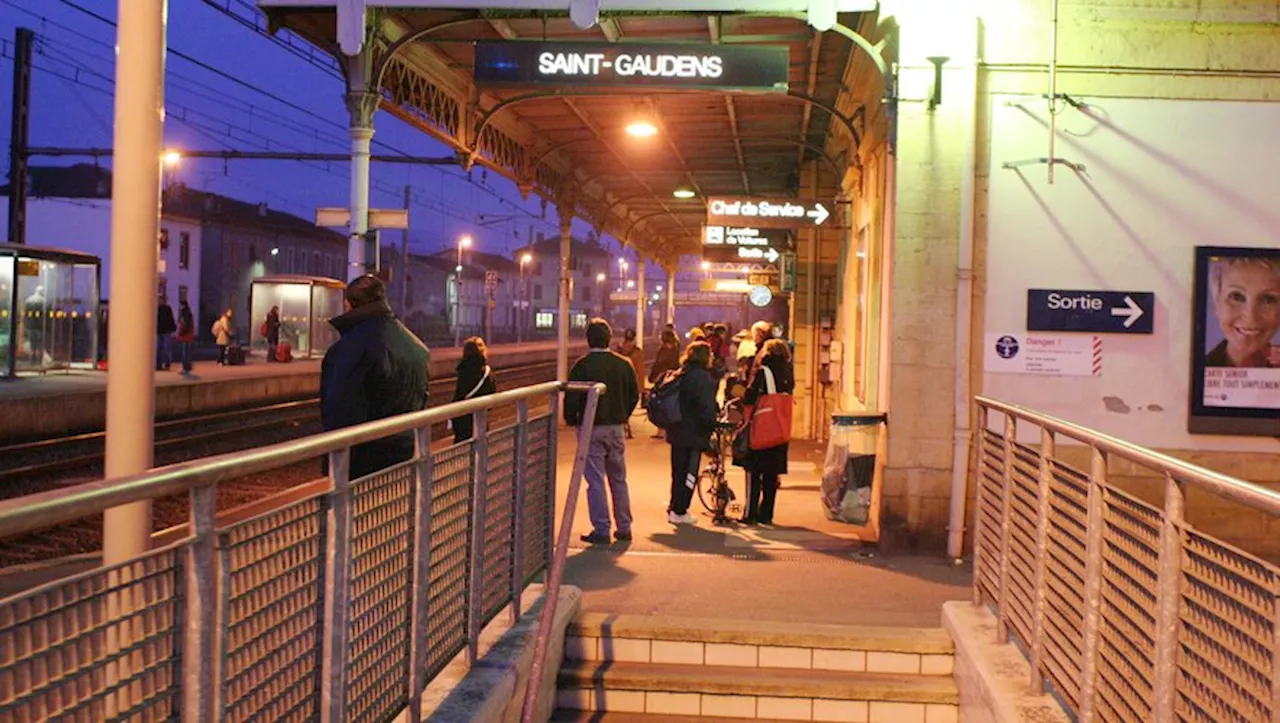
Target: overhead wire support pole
<point>24,40</point>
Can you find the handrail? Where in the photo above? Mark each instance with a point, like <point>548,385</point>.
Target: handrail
<point>1096,583</point>
<point>555,574</point>
<point>1236,490</point>
<point>32,512</point>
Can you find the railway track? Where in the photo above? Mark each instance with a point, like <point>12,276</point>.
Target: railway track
<point>48,464</point>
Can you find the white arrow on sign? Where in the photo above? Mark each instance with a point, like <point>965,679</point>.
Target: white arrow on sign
<point>771,255</point>
<point>818,213</point>
<point>1130,309</point>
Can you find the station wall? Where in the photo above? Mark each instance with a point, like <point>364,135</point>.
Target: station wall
<point>1212,52</point>
<point>1161,177</point>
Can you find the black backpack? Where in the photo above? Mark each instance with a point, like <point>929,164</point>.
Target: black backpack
<point>663,407</point>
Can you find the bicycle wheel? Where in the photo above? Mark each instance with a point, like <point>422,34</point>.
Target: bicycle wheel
<point>706,489</point>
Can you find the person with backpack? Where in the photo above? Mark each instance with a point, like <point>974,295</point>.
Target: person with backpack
<point>223,334</point>
<point>694,390</point>
<point>475,379</point>
<point>667,359</point>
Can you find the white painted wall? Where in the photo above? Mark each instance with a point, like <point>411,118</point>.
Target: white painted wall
<point>84,225</point>
<point>1162,177</point>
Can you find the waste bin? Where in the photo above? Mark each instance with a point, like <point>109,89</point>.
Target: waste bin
<point>850,466</point>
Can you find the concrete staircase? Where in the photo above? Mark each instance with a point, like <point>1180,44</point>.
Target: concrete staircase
<point>623,669</point>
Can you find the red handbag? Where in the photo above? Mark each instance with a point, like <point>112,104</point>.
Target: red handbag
<point>771,417</point>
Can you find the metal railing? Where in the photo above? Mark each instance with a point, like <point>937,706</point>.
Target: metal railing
<point>342,605</point>
<point>1125,611</point>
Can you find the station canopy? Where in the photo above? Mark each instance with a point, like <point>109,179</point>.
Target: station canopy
<point>566,130</point>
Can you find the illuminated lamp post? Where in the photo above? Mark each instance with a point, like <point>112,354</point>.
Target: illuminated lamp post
<point>463,243</point>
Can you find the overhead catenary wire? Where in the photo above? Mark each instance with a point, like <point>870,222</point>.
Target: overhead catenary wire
<point>80,76</point>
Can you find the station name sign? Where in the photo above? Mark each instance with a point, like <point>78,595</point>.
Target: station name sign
<point>766,212</point>
<point>626,65</point>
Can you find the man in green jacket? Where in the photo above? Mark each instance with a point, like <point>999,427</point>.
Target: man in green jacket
<point>606,456</point>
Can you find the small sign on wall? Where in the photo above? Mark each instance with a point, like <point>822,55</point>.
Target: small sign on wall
<point>1048,354</point>
<point>1109,312</point>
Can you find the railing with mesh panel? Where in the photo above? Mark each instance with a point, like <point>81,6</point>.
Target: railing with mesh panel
<point>1125,611</point>
<point>338,605</point>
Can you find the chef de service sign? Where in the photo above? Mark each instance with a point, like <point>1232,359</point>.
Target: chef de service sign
<point>1055,355</point>
<point>630,65</point>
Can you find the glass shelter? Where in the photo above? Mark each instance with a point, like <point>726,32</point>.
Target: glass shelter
<point>305,304</point>
<point>48,309</point>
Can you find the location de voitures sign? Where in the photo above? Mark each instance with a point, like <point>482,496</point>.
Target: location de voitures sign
<point>728,244</point>
<point>628,65</point>
<point>766,212</point>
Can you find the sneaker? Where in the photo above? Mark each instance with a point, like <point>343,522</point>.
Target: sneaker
<point>685,519</point>
<point>597,538</point>
<point>623,536</point>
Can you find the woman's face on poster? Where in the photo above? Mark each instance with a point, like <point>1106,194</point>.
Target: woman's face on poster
<point>1248,309</point>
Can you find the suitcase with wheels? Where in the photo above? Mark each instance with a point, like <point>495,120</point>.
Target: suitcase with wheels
<point>235,355</point>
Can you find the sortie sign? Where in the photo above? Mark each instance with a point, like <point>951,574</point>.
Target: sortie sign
<point>1113,312</point>
<point>766,212</point>
<point>630,65</point>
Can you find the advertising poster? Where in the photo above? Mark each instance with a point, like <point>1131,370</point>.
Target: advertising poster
<point>1071,355</point>
<point>1235,353</point>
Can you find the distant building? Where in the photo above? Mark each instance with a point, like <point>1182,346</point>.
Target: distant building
<point>242,241</point>
<point>70,208</point>
<point>588,296</point>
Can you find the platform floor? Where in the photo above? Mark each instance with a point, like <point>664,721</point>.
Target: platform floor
<point>805,569</point>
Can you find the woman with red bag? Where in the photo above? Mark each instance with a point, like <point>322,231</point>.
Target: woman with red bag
<point>769,397</point>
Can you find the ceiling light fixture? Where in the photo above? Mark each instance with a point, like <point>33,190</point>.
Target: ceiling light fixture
<point>641,129</point>
<point>684,192</point>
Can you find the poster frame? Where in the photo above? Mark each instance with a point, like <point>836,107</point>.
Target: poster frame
<point>1203,418</point>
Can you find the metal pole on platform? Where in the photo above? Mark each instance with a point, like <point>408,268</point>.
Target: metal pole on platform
<point>362,103</point>
<point>135,220</point>
<point>562,328</point>
<point>640,300</point>
<point>671,296</point>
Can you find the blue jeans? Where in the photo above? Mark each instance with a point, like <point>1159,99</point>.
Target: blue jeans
<point>184,347</point>
<point>164,353</point>
<point>606,456</point>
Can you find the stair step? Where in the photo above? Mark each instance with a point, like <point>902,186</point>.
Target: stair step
<point>920,641</point>
<point>594,716</point>
<point>590,677</point>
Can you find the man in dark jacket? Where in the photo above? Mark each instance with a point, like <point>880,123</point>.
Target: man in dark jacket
<point>606,455</point>
<point>377,369</point>
<point>165,327</point>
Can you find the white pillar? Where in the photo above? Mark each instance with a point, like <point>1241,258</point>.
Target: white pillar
<point>562,331</point>
<point>671,296</point>
<point>357,258</point>
<point>362,104</point>
<point>641,300</point>
<point>135,221</point>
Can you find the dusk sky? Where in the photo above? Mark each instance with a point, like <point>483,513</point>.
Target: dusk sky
<point>72,107</point>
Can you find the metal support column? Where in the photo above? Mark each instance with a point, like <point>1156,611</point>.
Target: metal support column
<point>135,221</point>
<point>24,40</point>
<point>562,327</point>
<point>404,257</point>
<point>671,296</point>
<point>640,300</point>
<point>362,103</point>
